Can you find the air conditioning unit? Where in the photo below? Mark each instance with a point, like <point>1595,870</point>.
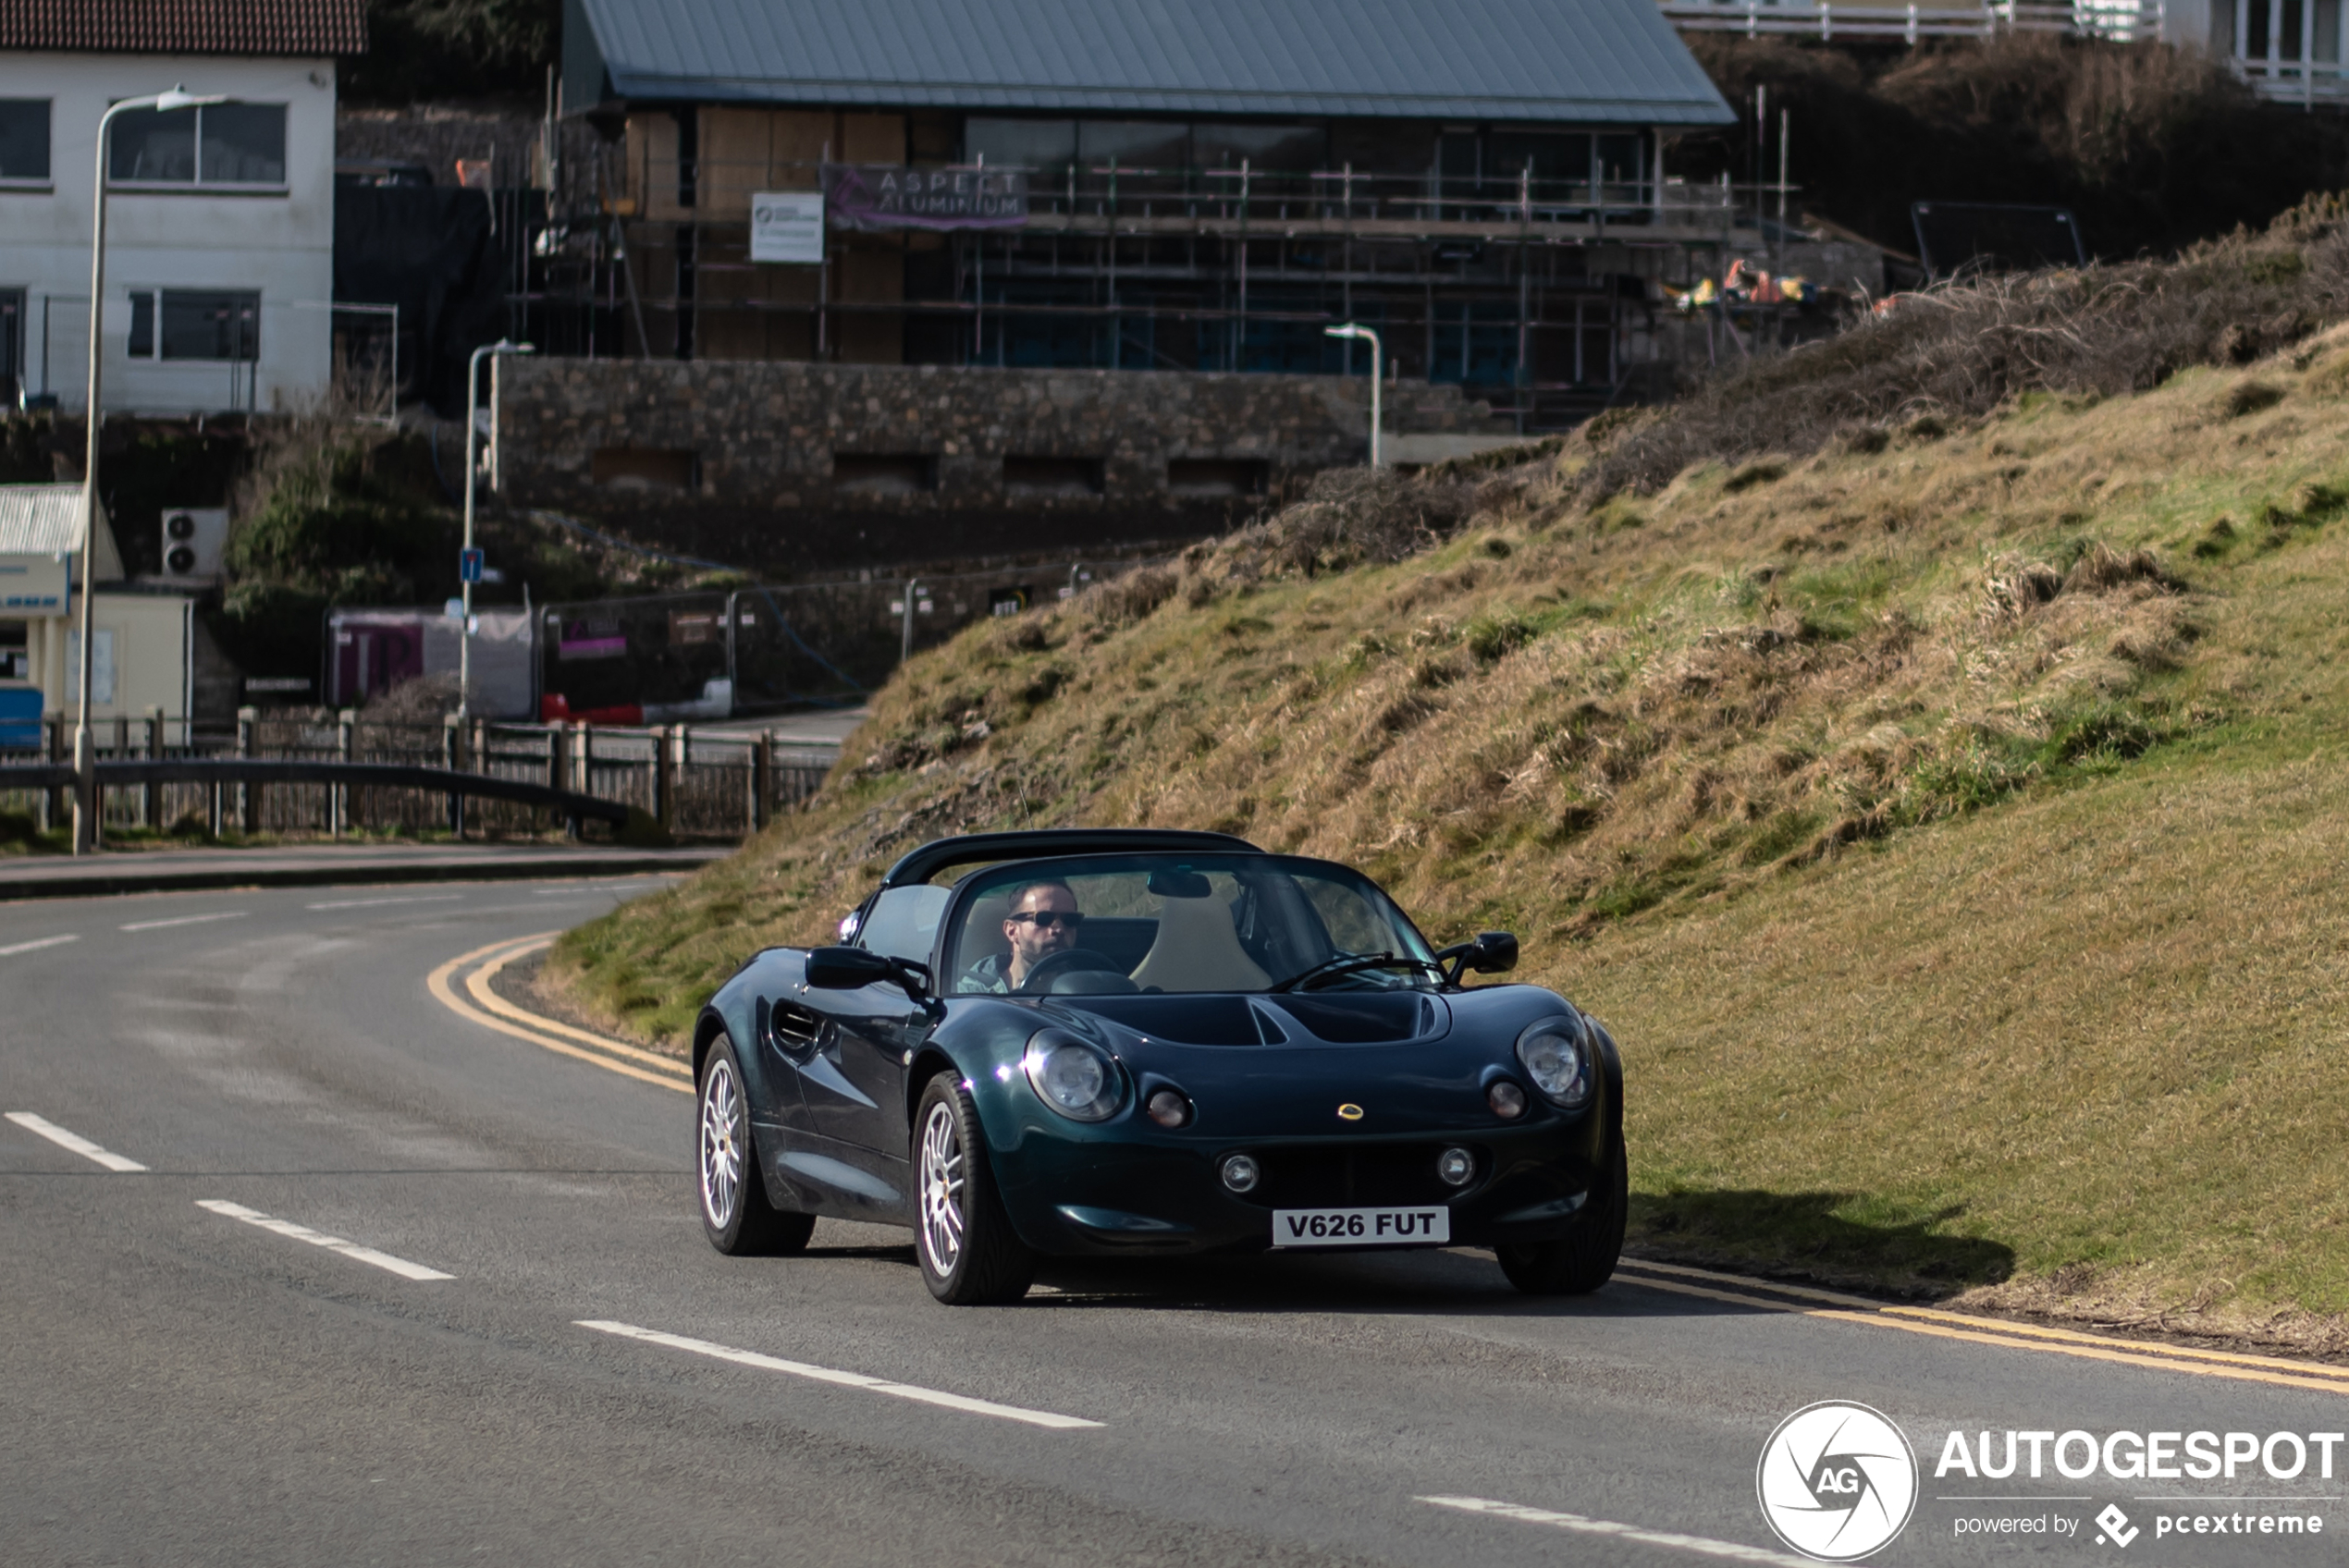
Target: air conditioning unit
<point>194,541</point>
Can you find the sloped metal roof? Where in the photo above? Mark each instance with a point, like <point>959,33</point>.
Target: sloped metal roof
<point>1591,61</point>
<point>39,520</point>
<point>186,27</point>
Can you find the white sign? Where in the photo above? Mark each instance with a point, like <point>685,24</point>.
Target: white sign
<point>787,226</point>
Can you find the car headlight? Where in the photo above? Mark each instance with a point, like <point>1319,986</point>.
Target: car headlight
<point>1074,1078</point>
<point>1557,1057</point>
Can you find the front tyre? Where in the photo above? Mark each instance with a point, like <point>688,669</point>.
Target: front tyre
<point>1581,1261</point>
<point>735,1214</point>
<point>970,1254</point>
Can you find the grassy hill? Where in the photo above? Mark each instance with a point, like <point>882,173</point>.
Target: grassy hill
<point>1942,796</point>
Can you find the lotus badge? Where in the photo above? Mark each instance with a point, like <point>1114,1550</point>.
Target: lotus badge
<point>1349,1113</point>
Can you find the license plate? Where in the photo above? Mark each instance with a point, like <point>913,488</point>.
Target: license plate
<point>1359,1226</point>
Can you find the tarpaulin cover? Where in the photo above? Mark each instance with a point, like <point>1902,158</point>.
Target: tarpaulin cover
<point>428,250</point>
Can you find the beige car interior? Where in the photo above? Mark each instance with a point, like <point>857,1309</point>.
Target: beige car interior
<point>1198,951</point>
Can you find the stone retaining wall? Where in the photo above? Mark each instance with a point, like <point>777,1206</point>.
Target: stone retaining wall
<point>788,468</point>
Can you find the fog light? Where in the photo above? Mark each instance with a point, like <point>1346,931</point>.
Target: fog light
<point>1240,1173</point>
<point>1457,1166</point>
<point>1169,1109</point>
<point>1507,1099</point>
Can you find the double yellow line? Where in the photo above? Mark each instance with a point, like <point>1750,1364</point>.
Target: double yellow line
<point>1837,1307</point>
<point>481,1005</point>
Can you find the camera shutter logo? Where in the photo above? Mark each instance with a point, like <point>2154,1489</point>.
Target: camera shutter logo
<point>1837,1481</point>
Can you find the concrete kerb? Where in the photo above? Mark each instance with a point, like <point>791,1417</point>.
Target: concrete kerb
<point>103,881</point>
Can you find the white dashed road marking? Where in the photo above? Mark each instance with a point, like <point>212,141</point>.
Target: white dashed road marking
<point>1731,1550</point>
<point>384,1260</point>
<point>377,904</point>
<point>73,1141</point>
<point>36,945</point>
<point>845,1380</point>
<point>184,920</point>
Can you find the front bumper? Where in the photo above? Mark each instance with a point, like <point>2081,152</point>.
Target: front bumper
<point>1080,1196</point>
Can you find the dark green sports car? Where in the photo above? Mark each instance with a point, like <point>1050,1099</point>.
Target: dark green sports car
<point>1096,1042</point>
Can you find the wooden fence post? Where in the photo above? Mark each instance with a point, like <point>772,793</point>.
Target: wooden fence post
<point>453,740</point>
<point>346,742</point>
<point>762,778</point>
<point>582,764</point>
<point>248,795</point>
<point>150,795</point>
<point>665,738</point>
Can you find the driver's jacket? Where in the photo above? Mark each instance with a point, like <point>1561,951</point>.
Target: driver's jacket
<point>986,974</point>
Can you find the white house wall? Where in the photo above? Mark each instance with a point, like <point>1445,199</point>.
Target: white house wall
<point>281,243</point>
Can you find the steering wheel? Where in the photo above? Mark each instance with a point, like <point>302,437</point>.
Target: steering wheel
<point>1067,961</point>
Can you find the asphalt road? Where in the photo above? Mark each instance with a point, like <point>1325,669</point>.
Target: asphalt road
<point>190,1384</point>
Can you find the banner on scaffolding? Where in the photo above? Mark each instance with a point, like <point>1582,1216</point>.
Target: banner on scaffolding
<point>870,197</point>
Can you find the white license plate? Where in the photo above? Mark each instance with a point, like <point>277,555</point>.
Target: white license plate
<point>1360,1227</point>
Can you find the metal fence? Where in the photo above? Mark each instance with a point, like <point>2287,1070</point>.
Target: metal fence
<point>2119,19</point>
<point>696,784</point>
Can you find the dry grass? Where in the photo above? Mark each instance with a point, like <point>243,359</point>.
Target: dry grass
<point>1949,827</point>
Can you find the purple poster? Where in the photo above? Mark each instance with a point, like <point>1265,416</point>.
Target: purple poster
<point>886,196</point>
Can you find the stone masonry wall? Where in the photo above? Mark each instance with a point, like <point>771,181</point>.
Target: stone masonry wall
<point>789,467</point>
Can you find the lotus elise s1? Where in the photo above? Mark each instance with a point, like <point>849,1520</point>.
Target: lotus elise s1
<point>1108,1042</point>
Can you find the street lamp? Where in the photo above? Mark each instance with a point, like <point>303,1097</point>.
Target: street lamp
<point>1355,329</point>
<point>85,759</point>
<point>473,435</point>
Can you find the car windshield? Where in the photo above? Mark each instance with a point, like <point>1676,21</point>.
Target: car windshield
<point>1181,923</point>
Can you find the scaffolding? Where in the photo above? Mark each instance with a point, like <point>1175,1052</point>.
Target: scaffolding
<point>1534,289</point>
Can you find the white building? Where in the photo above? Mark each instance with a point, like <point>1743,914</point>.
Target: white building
<point>143,654</point>
<point>220,220</point>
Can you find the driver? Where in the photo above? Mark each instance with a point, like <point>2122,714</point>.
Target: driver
<point>1043,922</point>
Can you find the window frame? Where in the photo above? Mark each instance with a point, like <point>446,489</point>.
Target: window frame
<point>46,181</point>
<point>196,184</point>
<point>151,303</point>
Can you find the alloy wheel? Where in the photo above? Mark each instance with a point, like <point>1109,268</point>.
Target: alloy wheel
<point>941,1179</point>
<point>721,1142</point>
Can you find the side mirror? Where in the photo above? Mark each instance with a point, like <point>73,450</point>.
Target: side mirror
<point>1493,952</point>
<point>846,969</point>
<point>849,969</point>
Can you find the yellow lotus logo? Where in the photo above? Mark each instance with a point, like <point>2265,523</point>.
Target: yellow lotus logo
<point>1349,1113</point>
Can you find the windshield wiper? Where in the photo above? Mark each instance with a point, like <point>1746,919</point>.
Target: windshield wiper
<point>1346,963</point>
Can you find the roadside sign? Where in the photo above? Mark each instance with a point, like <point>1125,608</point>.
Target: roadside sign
<point>469,564</point>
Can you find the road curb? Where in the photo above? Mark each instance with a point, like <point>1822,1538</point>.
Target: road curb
<point>472,973</point>
<point>213,879</point>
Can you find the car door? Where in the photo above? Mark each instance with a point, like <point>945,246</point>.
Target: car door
<point>854,1082</point>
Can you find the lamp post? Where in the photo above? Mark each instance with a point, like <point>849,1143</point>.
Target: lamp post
<point>1355,329</point>
<point>473,437</point>
<point>85,759</point>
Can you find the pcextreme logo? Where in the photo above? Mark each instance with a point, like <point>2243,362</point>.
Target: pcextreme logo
<point>1837,1481</point>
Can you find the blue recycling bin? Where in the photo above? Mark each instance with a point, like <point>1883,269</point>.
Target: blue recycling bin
<point>19,719</point>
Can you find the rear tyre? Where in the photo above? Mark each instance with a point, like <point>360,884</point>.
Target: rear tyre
<point>970,1254</point>
<point>1581,1261</point>
<point>735,1214</point>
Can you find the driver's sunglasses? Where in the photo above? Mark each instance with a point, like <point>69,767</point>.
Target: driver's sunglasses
<point>1067,917</point>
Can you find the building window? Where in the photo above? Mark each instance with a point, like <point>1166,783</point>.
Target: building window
<point>236,145</point>
<point>24,141</point>
<point>190,324</point>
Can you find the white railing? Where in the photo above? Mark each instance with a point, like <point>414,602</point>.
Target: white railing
<point>2305,83</point>
<point>2119,19</point>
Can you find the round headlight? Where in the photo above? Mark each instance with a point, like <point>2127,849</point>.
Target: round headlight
<point>1240,1173</point>
<point>1072,1077</point>
<point>1557,1058</point>
<point>1507,1099</point>
<point>1457,1167</point>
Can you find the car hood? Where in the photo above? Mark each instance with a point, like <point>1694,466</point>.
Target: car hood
<point>1287,1019</point>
